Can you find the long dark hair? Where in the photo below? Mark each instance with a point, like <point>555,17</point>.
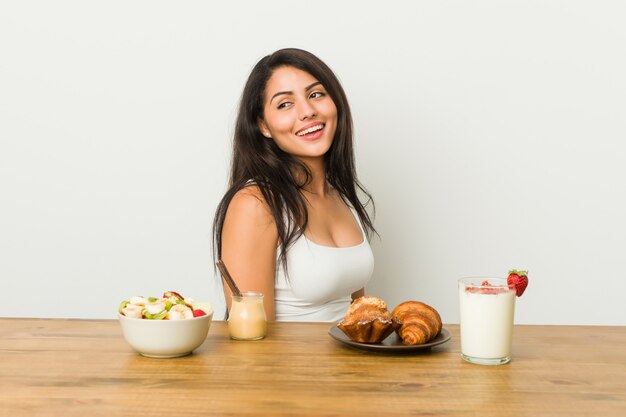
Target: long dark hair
<point>279,175</point>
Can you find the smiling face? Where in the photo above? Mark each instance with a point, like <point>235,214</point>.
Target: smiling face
<point>299,114</point>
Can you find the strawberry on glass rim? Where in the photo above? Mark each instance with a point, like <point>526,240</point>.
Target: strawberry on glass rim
<point>518,280</point>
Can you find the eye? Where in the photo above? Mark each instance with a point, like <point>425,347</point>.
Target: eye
<point>317,94</point>
<point>283,105</point>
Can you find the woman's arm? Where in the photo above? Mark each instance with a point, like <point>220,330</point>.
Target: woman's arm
<point>249,242</point>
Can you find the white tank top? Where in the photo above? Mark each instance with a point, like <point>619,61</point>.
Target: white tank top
<point>321,279</point>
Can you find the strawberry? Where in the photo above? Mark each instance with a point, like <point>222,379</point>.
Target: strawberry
<point>518,280</point>
<point>485,288</point>
<point>168,294</point>
<point>198,313</point>
<point>488,288</point>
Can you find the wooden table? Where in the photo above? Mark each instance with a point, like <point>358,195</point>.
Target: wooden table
<point>85,368</point>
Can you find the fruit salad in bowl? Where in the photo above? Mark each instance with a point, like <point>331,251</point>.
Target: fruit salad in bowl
<point>164,327</point>
<point>171,306</point>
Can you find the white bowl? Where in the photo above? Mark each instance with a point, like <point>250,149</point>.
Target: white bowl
<point>165,338</point>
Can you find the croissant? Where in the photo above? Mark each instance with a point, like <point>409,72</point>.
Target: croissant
<point>420,322</point>
<point>368,320</point>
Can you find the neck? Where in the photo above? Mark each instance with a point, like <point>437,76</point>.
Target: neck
<point>318,184</point>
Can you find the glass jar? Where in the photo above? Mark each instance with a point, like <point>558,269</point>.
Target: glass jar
<point>247,319</point>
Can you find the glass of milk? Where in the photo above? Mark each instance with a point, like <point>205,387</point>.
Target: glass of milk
<point>487,306</point>
<point>247,319</point>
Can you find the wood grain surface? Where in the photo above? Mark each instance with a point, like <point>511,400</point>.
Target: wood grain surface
<point>59,368</point>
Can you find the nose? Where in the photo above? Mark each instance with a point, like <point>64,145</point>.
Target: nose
<point>306,110</point>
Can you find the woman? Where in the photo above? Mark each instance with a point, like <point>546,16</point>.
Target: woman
<point>291,224</point>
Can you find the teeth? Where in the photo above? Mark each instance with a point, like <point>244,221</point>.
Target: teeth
<point>310,130</point>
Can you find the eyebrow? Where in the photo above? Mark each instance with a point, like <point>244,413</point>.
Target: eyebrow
<point>291,92</point>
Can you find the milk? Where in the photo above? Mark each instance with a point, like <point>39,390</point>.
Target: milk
<point>486,323</point>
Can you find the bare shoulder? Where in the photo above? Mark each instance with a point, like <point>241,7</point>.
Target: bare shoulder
<point>249,200</point>
<point>248,210</point>
<point>250,194</point>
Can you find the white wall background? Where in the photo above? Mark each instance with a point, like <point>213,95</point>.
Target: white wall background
<point>490,132</point>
